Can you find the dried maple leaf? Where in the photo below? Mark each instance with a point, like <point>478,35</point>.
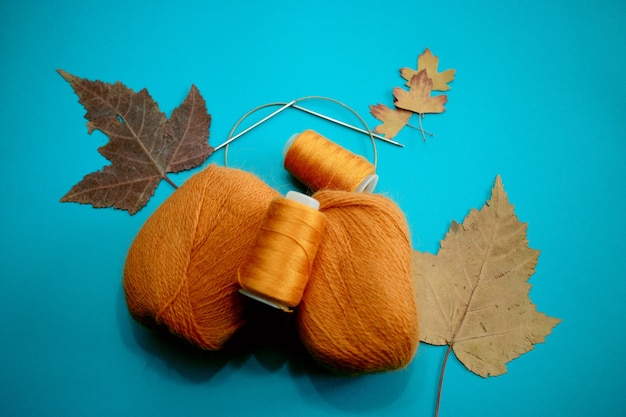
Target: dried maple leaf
<point>427,61</point>
<point>474,292</point>
<point>143,145</point>
<point>473,295</point>
<point>418,98</point>
<point>393,119</point>
<point>188,129</point>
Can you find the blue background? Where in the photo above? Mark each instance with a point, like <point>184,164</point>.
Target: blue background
<point>539,98</point>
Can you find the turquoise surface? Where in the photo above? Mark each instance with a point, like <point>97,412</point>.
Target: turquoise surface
<point>539,98</point>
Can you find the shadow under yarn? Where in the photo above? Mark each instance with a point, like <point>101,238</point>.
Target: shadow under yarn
<point>364,393</point>
<point>350,393</point>
<point>165,352</point>
<point>269,337</point>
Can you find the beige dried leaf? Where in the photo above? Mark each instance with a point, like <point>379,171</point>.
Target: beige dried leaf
<point>393,119</point>
<point>474,295</point>
<point>418,98</point>
<point>427,61</point>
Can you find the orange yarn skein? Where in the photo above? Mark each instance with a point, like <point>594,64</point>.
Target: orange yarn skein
<point>322,164</point>
<point>358,313</point>
<point>180,271</point>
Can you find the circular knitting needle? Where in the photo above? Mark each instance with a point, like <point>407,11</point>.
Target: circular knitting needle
<point>292,103</point>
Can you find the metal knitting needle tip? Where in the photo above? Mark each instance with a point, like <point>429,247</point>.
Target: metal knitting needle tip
<point>263,120</point>
<point>339,122</point>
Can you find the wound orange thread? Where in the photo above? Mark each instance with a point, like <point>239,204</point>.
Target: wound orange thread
<point>277,267</point>
<point>321,164</point>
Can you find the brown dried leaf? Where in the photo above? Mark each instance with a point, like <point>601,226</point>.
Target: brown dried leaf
<point>188,129</point>
<point>393,119</point>
<point>429,62</point>
<point>418,98</point>
<point>473,295</point>
<point>143,146</point>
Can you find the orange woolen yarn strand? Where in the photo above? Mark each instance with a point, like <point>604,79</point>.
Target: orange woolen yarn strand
<point>358,313</point>
<point>180,271</point>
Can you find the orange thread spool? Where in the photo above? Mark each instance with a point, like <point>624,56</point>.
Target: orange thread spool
<point>277,268</point>
<point>320,164</point>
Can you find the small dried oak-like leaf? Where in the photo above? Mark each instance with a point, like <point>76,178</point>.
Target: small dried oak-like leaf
<point>474,295</point>
<point>429,62</point>
<point>393,119</point>
<point>143,146</point>
<point>418,98</point>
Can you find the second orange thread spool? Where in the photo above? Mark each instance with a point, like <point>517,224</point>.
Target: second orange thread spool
<point>320,164</point>
<point>276,269</point>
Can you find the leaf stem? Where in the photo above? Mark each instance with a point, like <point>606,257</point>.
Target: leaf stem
<point>443,370</point>
<point>419,120</point>
<point>170,182</point>
<point>421,128</point>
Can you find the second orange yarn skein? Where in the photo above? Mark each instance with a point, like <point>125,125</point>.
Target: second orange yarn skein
<point>358,313</point>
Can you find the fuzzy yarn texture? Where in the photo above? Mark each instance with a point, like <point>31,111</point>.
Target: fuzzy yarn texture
<point>358,312</point>
<point>180,271</point>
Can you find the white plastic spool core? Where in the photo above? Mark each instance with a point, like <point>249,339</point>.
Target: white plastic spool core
<point>289,142</point>
<point>264,301</point>
<point>304,199</point>
<point>307,201</point>
<point>366,186</point>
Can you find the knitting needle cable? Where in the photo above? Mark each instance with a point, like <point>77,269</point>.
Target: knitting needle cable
<point>339,122</point>
<point>263,120</point>
<point>292,103</point>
